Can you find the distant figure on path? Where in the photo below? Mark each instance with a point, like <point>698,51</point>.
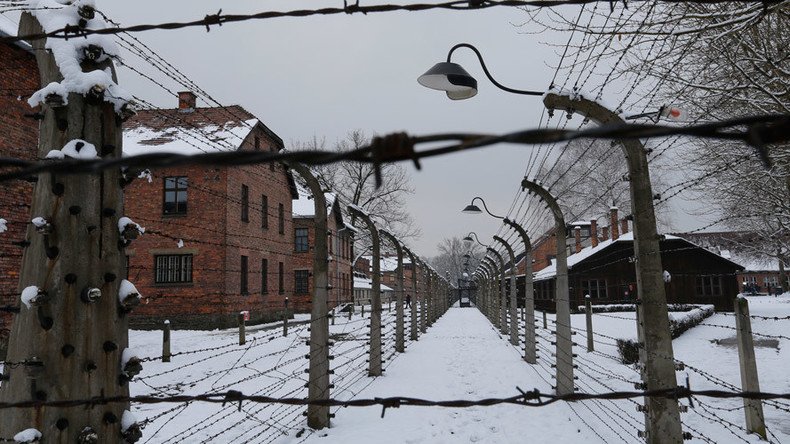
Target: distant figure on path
<point>408,301</point>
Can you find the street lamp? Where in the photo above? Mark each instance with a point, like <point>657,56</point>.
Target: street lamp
<point>530,347</point>
<point>459,84</point>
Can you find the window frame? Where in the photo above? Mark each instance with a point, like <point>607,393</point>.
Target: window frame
<point>244,271</point>
<point>264,276</point>
<point>174,271</point>
<point>245,203</point>
<point>264,212</point>
<point>176,190</point>
<point>301,282</point>
<point>301,240</point>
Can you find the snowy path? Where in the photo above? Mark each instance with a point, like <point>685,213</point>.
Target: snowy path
<point>460,357</point>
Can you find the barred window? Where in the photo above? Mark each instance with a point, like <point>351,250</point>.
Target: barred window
<point>245,203</point>
<point>264,211</point>
<point>264,276</point>
<point>173,269</point>
<point>301,281</point>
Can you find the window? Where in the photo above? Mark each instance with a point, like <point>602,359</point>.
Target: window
<point>281,218</point>
<point>596,288</point>
<point>264,276</point>
<point>175,195</point>
<point>280,278</point>
<point>708,285</point>
<point>245,203</point>
<point>243,288</point>
<point>301,282</point>
<point>264,212</point>
<point>173,269</point>
<point>301,241</point>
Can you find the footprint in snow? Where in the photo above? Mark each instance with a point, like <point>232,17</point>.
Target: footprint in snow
<point>474,438</point>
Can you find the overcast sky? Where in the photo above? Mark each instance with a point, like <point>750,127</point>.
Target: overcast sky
<point>324,76</point>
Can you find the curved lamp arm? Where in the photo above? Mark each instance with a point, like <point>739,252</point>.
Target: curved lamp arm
<point>488,74</point>
<point>486,207</point>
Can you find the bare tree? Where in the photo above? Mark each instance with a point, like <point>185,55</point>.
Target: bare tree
<point>715,61</point>
<point>354,183</point>
<point>451,257</point>
<point>587,179</point>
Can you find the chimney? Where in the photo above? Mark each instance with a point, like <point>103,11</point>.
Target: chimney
<point>613,223</point>
<point>624,226</point>
<point>186,100</point>
<point>577,233</point>
<point>594,232</point>
<point>605,233</point>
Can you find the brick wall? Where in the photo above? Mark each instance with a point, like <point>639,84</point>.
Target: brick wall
<point>340,273</point>
<point>18,138</point>
<point>214,233</point>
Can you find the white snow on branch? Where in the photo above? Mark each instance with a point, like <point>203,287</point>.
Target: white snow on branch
<point>76,149</point>
<point>28,435</point>
<point>69,54</point>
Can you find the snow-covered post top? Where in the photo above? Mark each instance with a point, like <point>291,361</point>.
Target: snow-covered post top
<point>27,436</point>
<point>129,229</point>
<point>70,54</point>
<point>76,149</point>
<point>128,296</point>
<point>33,296</point>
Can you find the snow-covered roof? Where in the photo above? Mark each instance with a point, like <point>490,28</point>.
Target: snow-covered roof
<point>8,28</point>
<point>305,206</point>
<point>550,271</point>
<point>389,263</point>
<point>202,130</point>
<point>361,283</point>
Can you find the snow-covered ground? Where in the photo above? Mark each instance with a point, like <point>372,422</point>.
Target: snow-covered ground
<point>461,357</point>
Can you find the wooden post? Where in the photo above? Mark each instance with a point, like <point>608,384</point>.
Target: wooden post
<point>350,311</point>
<point>79,342</point>
<point>166,341</point>
<point>545,324</point>
<point>363,310</point>
<point>242,336</point>
<point>588,315</point>
<point>753,408</point>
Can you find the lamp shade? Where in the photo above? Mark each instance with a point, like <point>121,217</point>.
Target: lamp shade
<point>471,209</point>
<point>450,78</point>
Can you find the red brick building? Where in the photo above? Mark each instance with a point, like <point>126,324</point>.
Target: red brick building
<point>19,79</point>
<point>218,240</point>
<point>340,244</point>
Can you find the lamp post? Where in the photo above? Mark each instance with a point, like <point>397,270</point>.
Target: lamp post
<point>663,415</point>
<point>564,353</point>
<point>399,342</point>
<point>374,365</point>
<point>513,309</point>
<point>456,82</point>
<point>530,347</point>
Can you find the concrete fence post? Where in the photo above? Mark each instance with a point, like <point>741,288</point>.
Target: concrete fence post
<point>753,408</point>
<point>242,337</point>
<point>166,341</point>
<point>588,315</point>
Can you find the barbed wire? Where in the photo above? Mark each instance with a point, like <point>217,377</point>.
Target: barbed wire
<point>218,19</point>
<point>771,128</point>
